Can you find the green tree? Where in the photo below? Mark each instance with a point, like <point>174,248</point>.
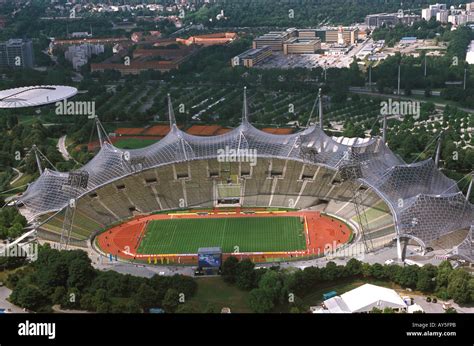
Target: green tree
<point>71,298</point>
<point>81,273</point>
<point>272,283</point>
<point>58,296</point>
<point>171,300</point>
<point>408,276</point>
<point>458,286</point>
<point>245,274</point>
<point>28,296</point>
<point>260,300</point>
<point>426,278</point>
<point>377,271</point>
<point>229,269</point>
<point>354,267</point>
<point>145,297</point>
<point>442,277</point>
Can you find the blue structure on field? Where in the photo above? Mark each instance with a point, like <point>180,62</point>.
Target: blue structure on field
<point>209,260</point>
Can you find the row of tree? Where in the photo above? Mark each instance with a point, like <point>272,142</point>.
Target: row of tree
<point>12,223</point>
<point>271,288</point>
<point>67,278</point>
<point>310,13</point>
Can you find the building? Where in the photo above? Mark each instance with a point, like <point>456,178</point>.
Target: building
<point>209,39</point>
<point>80,55</point>
<point>297,45</point>
<point>470,7</point>
<point>16,53</point>
<point>408,40</point>
<point>365,52</point>
<point>145,36</point>
<point>470,54</point>
<point>36,95</point>
<point>349,35</point>
<point>252,57</point>
<point>432,11</point>
<point>426,14</point>
<point>307,33</point>
<point>460,19</point>
<point>165,56</point>
<point>390,19</point>
<point>80,34</point>
<point>364,299</point>
<point>338,50</point>
<point>442,16</point>
<point>105,40</point>
<point>273,39</point>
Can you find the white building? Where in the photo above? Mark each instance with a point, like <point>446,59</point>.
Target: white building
<point>442,16</point>
<point>79,55</point>
<point>432,11</point>
<point>364,299</point>
<point>470,54</point>
<point>426,14</point>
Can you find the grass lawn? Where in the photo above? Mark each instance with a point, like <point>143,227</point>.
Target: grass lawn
<point>215,292</point>
<point>28,119</point>
<point>25,179</point>
<point>250,234</point>
<point>134,143</point>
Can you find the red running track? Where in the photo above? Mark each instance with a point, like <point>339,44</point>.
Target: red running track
<point>321,231</point>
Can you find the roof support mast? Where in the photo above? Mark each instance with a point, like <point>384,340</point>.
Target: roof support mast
<point>320,109</point>
<point>97,124</point>
<point>469,189</point>
<point>438,150</point>
<point>171,113</point>
<point>245,108</point>
<point>38,161</point>
<point>101,131</point>
<point>384,128</point>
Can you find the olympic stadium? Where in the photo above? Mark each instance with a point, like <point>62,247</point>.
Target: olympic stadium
<point>358,183</point>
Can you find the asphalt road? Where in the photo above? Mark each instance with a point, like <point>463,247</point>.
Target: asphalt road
<point>62,148</point>
<point>5,304</point>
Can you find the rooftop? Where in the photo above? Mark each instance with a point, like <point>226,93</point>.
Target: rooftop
<point>365,298</point>
<point>248,54</point>
<point>35,95</point>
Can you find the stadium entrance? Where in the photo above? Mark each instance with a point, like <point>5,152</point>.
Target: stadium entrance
<point>228,192</point>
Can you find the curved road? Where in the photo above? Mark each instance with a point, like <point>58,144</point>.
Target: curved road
<point>62,148</point>
<point>20,174</point>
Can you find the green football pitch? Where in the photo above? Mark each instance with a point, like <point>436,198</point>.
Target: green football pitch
<point>242,234</point>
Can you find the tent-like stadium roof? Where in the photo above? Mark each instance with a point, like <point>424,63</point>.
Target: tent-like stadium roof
<point>425,204</point>
<point>35,95</point>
